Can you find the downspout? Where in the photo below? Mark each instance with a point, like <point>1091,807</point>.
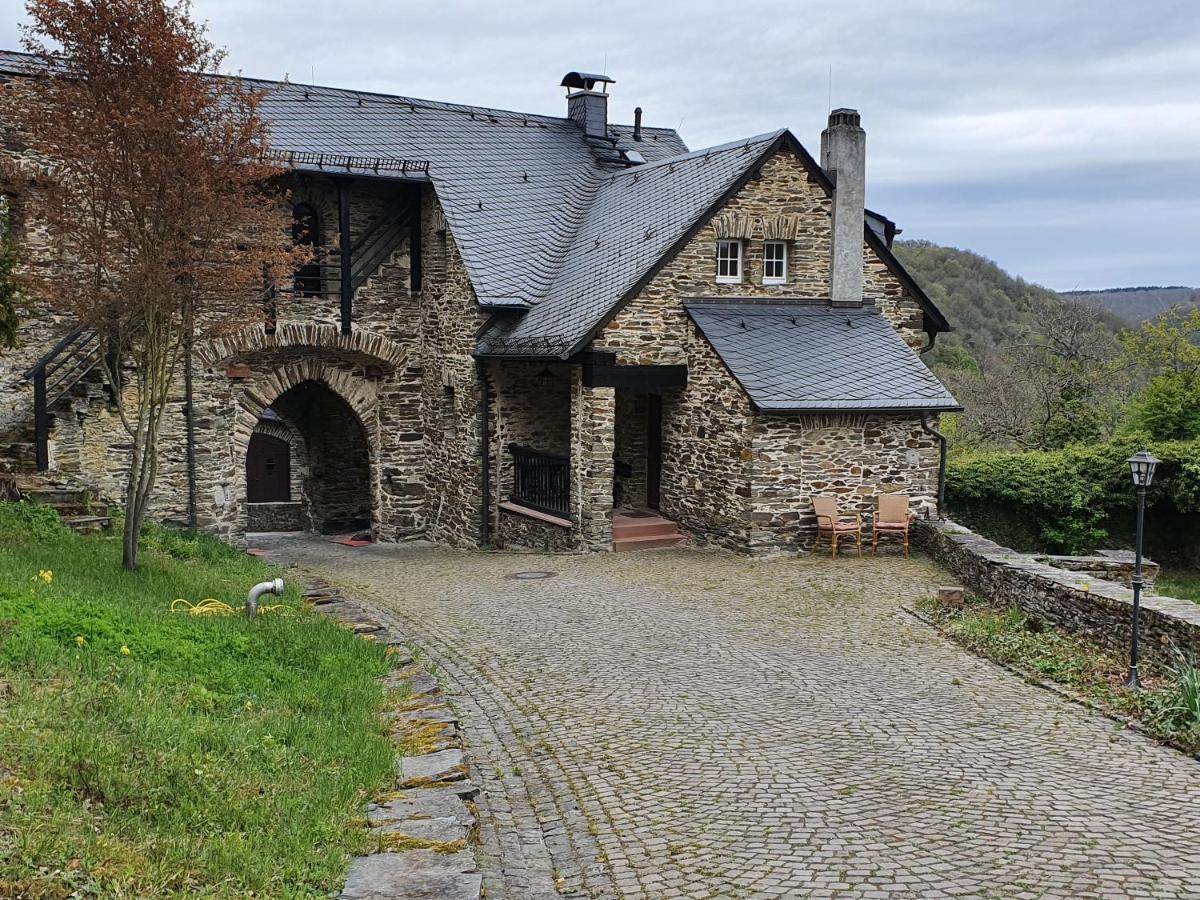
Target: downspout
<point>941,439</point>
<point>189,415</point>
<point>485,457</point>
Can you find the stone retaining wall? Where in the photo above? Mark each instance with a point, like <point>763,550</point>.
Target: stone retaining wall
<point>279,516</point>
<point>1102,612</point>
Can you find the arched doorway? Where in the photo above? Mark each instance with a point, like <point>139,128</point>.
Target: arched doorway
<point>337,478</point>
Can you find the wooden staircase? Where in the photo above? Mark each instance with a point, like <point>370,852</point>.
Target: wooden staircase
<point>635,529</point>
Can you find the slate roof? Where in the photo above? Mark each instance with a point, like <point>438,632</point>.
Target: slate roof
<point>547,219</point>
<point>636,217</point>
<point>811,357</point>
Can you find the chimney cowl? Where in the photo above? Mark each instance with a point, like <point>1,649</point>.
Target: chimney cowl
<point>587,106</point>
<point>845,116</point>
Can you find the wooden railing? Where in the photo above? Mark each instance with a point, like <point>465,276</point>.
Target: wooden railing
<point>541,481</point>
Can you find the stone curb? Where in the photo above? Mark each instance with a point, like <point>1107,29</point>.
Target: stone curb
<point>1030,677</point>
<point>426,828</point>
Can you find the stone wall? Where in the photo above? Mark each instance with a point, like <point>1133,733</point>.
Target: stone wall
<point>517,530</point>
<point>706,460</point>
<point>1103,612</point>
<point>289,516</point>
<point>451,390</point>
<point>531,407</point>
<point>631,431</point>
<point>593,440</point>
<point>852,457</point>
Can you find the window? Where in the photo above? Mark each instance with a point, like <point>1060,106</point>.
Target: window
<point>306,232</point>
<point>774,262</point>
<point>729,262</point>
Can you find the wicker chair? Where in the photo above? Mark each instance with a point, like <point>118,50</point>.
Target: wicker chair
<point>893,517</point>
<point>832,523</point>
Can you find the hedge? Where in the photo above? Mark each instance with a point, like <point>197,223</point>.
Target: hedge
<point>1063,500</point>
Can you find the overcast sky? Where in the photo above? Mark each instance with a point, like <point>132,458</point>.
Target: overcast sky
<point>1060,138</point>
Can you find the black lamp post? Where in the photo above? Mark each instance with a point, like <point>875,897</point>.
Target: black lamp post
<point>1141,466</point>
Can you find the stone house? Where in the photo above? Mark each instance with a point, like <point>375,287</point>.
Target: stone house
<point>519,324</point>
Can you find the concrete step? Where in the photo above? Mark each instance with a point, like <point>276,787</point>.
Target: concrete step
<point>648,542</point>
<point>86,524</point>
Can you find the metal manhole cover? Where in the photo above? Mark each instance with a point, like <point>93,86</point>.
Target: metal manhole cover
<point>531,576</point>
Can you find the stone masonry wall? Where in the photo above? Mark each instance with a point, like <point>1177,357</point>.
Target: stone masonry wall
<point>521,531</point>
<point>1104,612</point>
<point>852,457</point>
<point>631,424</point>
<point>706,460</point>
<point>529,409</point>
<point>451,390</point>
<point>593,440</point>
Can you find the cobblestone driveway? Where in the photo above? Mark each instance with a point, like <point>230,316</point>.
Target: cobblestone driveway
<point>690,724</point>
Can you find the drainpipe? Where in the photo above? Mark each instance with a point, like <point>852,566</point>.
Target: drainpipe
<point>189,414</point>
<point>485,457</point>
<point>941,439</point>
<point>264,587</point>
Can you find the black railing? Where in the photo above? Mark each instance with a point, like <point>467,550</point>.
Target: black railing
<point>541,481</point>
<point>53,375</point>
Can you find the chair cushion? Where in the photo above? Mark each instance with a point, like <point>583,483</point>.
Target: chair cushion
<point>891,526</point>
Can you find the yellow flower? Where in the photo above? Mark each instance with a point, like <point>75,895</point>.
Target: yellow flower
<point>46,575</point>
<point>80,640</point>
<point>249,706</point>
<point>124,650</point>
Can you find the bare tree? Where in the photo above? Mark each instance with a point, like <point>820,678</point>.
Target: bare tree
<point>158,197</point>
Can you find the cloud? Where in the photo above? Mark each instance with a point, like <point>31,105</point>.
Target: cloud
<point>1061,138</point>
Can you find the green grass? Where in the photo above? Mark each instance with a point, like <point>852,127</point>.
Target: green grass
<point>145,753</point>
<point>1181,583</point>
<point>1169,706</point>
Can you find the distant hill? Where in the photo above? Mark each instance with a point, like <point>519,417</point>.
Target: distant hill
<point>1137,304</point>
<point>988,308</point>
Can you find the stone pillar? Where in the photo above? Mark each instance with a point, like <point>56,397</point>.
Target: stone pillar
<point>843,155</point>
<point>593,437</point>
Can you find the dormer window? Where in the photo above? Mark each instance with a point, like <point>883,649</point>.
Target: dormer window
<point>729,262</point>
<point>774,262</point>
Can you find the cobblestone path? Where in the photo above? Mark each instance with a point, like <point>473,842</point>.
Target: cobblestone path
<point>691,724</point>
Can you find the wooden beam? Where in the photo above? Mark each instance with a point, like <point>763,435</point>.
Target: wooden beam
<point>41,421</point>
<point>345,256</point>
<point>648,379</point>
<point>414,242</point>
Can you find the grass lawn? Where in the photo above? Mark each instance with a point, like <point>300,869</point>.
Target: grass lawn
<point>1181,583</point>
<point>1168,706</point>
<point>150,753</point>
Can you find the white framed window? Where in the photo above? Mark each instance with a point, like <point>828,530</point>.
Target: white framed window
<point>729,262</point>
<point>774,262</point>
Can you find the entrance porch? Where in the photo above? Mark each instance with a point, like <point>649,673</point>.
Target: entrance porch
<point>578,453</point>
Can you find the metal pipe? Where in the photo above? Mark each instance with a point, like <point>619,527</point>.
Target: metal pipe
<point>485,457</point>
<point>941,439</point>
<point>264,587</point>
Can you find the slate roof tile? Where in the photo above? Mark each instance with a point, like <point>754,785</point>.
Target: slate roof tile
<point>811,357</point>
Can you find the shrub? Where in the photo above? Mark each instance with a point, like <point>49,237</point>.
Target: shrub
<point>1064,497</point>
<point>1168,408</point>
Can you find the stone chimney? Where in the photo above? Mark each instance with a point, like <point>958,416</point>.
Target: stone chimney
<point>586,106</point>
<point>844,158</point>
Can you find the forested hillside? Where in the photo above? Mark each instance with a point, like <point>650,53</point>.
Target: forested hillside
<point>989,309</point>
<point>1138,304</point>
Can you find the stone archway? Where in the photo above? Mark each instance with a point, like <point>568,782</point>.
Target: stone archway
<point>336,413</point>
<point>255,340</point>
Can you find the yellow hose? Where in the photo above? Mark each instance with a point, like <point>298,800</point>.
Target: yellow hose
<point>211,607</point>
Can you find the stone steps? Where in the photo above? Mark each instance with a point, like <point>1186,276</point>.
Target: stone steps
<point>72,503</point>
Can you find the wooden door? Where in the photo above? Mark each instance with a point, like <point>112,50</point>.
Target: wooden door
<point>268,470</point>
<point>653,450</point>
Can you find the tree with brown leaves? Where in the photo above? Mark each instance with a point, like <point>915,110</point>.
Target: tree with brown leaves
<point>159,198</point>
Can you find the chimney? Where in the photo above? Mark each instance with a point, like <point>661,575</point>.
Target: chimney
<point>586,106</point>
<point>637,123</point>
<point>844,158</point>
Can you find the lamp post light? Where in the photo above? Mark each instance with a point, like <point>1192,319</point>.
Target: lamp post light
<point>1141,466</point>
